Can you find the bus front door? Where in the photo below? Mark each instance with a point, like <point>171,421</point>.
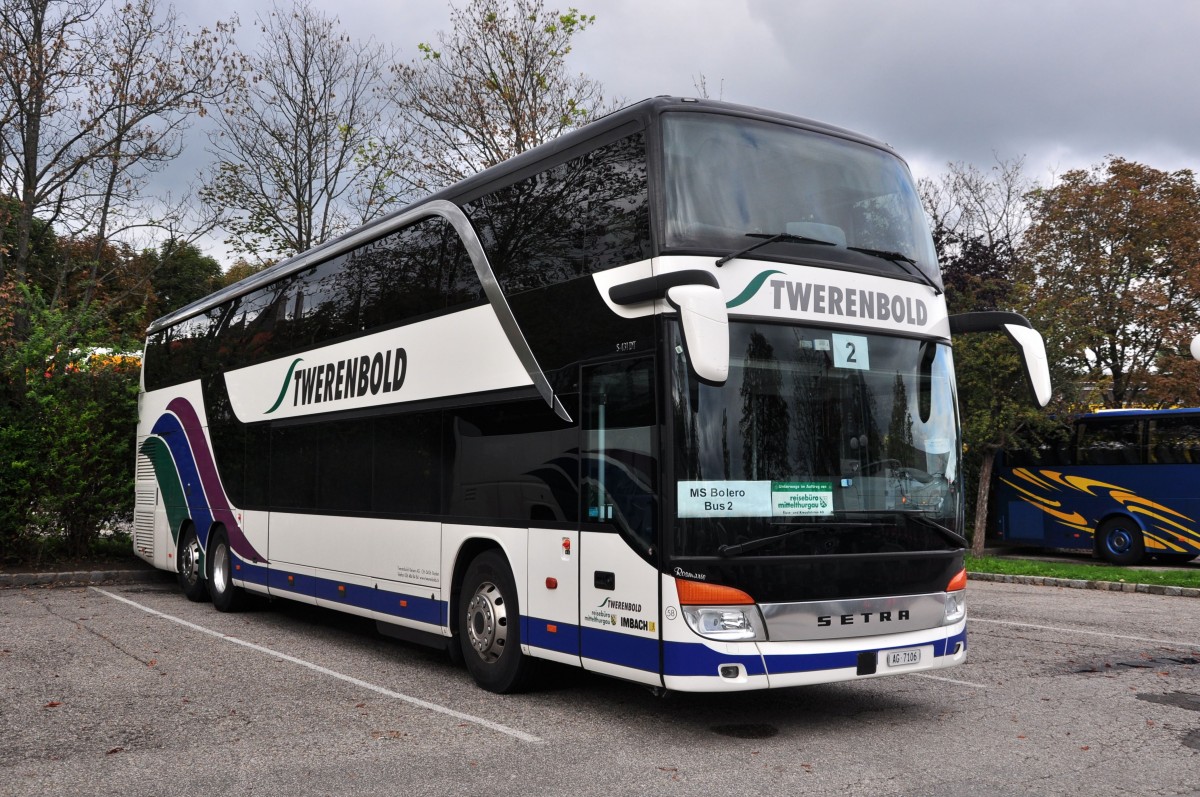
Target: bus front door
<point>619,578</point>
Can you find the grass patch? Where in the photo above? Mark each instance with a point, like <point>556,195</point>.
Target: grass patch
<point>1087,572</point>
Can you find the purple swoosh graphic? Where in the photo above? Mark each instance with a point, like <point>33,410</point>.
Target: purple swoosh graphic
<point>218,502</point>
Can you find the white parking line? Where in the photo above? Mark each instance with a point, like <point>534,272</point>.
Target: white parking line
<point>950,680</point>
<point>495,726</point>
<point>1175,643</point>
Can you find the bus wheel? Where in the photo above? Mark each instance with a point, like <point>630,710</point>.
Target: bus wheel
<point>489,629</point>
<point>1119,541</point>
<point>188,557</point>
<point>225,596</point>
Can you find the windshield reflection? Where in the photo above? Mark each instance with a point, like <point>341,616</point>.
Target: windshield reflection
<point>820,427</point>
<point>826,198</point>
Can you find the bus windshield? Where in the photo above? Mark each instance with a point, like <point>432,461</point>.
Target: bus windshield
<point>815,428</point>
<point>830,199</point>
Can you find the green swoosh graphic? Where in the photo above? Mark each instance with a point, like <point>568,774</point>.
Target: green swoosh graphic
<point>751,289</point>
<point>283,390</point>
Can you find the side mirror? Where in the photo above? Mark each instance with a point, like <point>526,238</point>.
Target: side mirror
<point>705,329</point>
<point>1029,342</point>
<point>1196,348</point>
<point>697,296</point>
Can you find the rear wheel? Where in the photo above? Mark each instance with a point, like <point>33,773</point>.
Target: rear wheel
<point>225,596</point>
<point>489,625</point>
<point>189,558</point>
<point>1119,540</point>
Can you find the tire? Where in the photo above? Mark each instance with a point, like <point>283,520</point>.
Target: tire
<point>1119,541</point>
<point>489,626</point>
<point>189,563</point>
<point>226,597</point>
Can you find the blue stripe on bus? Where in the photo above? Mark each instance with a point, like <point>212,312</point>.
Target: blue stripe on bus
<point>626,650</point>
<point>812,662</point>
<point>417,608</point>
<point>564,639</point>
<point>694,658</point>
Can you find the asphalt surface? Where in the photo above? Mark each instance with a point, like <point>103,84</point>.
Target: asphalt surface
<point>130,689</point>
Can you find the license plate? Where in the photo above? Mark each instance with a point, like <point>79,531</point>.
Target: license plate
<point>901,658</point>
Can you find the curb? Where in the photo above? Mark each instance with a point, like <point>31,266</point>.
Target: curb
<point>80,578</point>
<point>1103,586</point>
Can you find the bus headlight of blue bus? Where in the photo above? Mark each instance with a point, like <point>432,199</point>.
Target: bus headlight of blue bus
<point>723,613</point>
<point>956,599</point>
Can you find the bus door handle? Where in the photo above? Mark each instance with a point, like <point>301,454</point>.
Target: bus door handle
<point>605,580</point>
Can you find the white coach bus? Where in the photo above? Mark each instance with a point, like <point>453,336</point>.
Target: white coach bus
<point>669,398</point>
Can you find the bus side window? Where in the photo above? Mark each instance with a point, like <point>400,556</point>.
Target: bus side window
<point>1175,440</point>
<point>1109,441</point>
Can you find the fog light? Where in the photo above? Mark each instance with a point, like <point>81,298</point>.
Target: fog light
<point>730,671</point>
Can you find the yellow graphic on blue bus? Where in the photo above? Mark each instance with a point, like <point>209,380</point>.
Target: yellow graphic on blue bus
<point>1051,491</point>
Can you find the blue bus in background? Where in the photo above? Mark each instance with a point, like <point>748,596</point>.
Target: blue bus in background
<point>1126,486</point>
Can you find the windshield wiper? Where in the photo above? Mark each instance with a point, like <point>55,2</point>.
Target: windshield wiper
<point>920,517</point>
<point>762,542</point>
<point>768,239</point>
<point>901,260</point>
<point>950,534</point>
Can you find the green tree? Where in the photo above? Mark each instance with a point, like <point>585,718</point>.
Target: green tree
<point>979,219</point>
<point>67,430</point>
<point>1113,263</point>
<point>494,86</point>
<point>181,275</point>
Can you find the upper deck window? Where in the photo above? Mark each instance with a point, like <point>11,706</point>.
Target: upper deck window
<point>727,178</point>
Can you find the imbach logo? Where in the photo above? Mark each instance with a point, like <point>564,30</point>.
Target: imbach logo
<point>382,372</point>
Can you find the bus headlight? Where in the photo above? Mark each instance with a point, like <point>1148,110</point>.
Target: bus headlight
<point>726,623</point>
<point>956,607</point>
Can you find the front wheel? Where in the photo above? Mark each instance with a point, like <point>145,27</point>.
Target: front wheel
<point>190,564</point>
<point>1119,541</point>
<point>489,625</point>
<point>225,596</point>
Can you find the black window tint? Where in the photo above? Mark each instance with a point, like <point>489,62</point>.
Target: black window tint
<point>256,323</point>
<point>344,473</point>
<point>184,351</point>
<point>618,207</point>
<point>406,474</point>
<point>573,219</point>
<point>515,462</point>
<point>294,451</point>
<point>1175,440</point>
<point>415,271</point>
<point>1109,441</point>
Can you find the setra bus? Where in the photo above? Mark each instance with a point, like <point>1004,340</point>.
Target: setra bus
<point>669,398</point>
<point>1121,487</point>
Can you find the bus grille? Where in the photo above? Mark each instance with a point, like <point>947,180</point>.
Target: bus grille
<point>145,468</point>
<point>143,532</point>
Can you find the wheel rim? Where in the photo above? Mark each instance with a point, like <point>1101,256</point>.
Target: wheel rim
<point>1119,540</point>
<point>189,560</point>
<point>221,567</point>
<point>487,622</point>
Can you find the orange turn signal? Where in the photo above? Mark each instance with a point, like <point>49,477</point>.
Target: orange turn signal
<point>958,582</point>
<point>697,593</point>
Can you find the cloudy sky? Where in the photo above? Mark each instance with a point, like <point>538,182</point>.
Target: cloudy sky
<point>1062,83</point>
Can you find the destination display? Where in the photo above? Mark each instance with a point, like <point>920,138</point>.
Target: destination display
<point>701,499</point>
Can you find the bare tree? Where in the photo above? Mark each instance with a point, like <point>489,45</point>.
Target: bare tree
<point>496,85</point>
<point>303,152</point>
<point>94,101</point>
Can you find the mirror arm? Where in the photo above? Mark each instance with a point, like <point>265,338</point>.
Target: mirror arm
<point>656,287</point>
